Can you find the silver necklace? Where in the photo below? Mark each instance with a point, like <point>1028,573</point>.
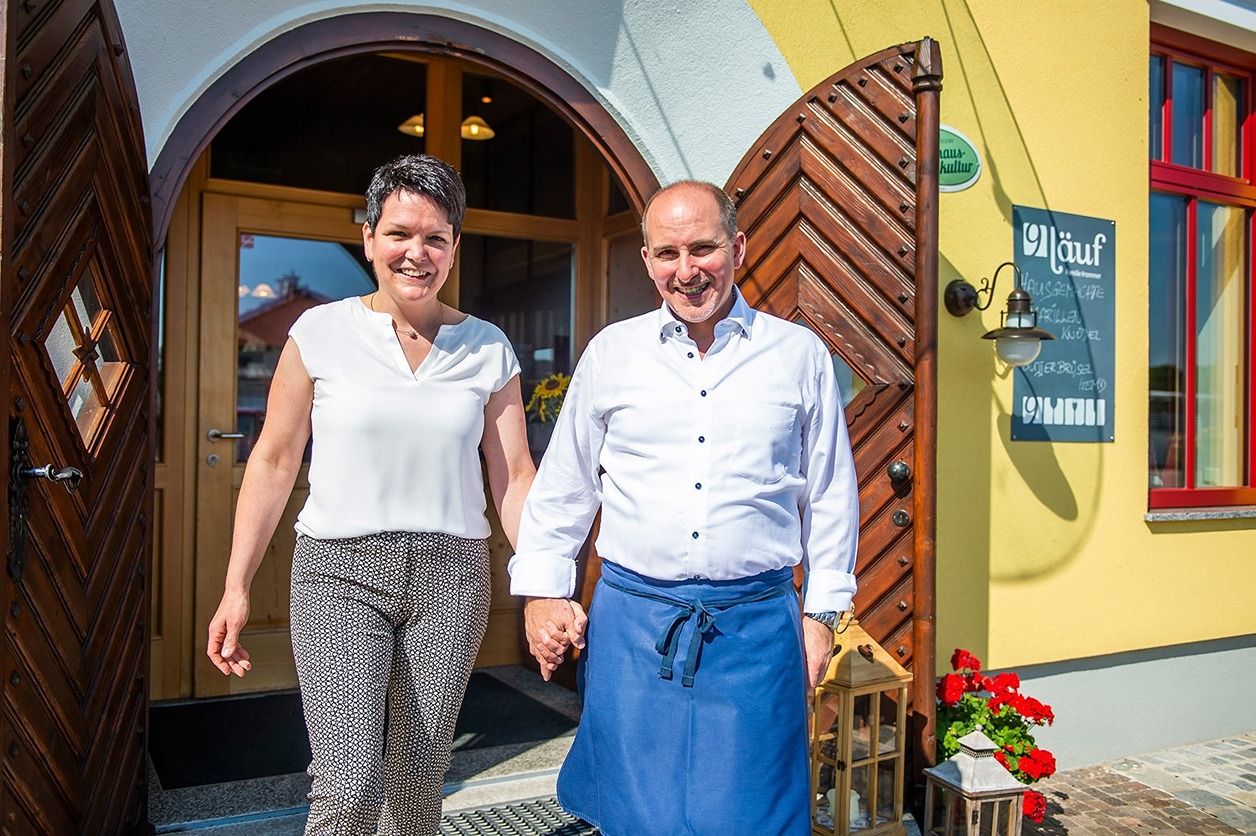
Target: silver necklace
<point>410,332</point>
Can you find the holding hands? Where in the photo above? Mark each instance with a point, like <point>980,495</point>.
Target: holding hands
<point>552,626</point>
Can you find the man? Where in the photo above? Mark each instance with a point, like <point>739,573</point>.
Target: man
<point>712,438</point>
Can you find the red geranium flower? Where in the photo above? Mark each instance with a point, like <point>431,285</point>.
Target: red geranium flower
<point>1033,710</point>
<point>1037,764</point>
<point>1001,757</point>
<point>961,659</point>
<point>1035,805</point>
<point>950,688</point>
<point>977,682</point>
<point>1004,682</point>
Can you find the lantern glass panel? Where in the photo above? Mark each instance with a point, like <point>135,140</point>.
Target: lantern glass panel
<point>828,721</point>
<point>996,818</point>
<point>885,789</point>
<point>863,722</point>
<point>888,737</point>
<point>860,801</point>
<point>826,795</point>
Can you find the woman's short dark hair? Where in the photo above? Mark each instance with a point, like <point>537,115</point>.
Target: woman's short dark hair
<point>419,174</point>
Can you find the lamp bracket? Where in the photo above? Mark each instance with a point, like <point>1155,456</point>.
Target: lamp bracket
<point>960,297</point>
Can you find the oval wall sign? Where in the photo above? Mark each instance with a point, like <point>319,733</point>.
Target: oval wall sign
<point>959,166</point>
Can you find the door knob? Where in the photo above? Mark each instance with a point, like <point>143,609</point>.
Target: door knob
<point>218,435</point>
<point>71,476</point>
<point>898,471</point>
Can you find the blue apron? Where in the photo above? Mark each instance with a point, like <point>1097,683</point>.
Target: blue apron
<point>694,717</point>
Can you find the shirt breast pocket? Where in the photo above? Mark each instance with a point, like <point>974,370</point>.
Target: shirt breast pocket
<point>767,443</point>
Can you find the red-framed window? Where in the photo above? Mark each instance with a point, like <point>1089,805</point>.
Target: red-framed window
<point>1202,304</point>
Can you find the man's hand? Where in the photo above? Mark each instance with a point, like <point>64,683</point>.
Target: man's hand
<point>552,625</point>
<point>818,641</point>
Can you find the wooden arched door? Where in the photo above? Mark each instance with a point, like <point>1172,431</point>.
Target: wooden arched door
<point>838,200</point>
<point>78,310</point>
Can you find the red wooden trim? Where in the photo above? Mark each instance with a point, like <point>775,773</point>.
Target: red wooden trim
<point>353,34</point>
<point>1188,394</point>
<point>1202,49</point>
<point>1180,179</point>
<point>1200,497</point>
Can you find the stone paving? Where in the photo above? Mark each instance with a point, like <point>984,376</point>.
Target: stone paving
<point>1205,788</point>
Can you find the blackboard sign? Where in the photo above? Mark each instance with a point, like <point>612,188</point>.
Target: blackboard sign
<point>1068,263</point>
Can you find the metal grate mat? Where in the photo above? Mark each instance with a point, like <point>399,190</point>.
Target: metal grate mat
<point>540,817</point>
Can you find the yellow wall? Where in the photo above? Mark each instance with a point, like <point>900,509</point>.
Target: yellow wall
<point>1043,550</point>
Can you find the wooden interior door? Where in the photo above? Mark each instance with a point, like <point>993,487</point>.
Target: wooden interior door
<point>245,313</point>
<point>838,200</point>
<point>77,302</point>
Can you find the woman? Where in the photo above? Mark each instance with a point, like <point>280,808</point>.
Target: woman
<point>390,578</point>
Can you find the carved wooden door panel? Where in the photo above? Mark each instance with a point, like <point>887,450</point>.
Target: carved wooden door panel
<point>76,280</point>
<point>838,201</point>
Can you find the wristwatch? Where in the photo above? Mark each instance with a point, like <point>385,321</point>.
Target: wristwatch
<point>828,618</point>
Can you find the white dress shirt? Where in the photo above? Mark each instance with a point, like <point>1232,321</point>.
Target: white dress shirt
<point>395,449</point>
<point>717,467</point>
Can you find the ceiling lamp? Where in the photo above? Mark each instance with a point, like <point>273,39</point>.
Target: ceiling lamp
<point>473,127</point>
<point>412,126</point>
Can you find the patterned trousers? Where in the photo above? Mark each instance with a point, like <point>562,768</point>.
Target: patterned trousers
<point>385,630</point>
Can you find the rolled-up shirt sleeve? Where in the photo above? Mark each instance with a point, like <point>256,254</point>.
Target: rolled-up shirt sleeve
<point>565,497</point>
<point>829,505</point>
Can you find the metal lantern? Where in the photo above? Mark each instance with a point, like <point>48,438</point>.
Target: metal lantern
<point>859,739</point>
<point>972,793</point>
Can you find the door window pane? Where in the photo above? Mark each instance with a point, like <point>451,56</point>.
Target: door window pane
<point>528,165</point>
<point>1188,116</point>
<point>281,278</point>
<point>1227,120</point>
<point>1167,342</point>
<point>525,288</point>
<point>1221,370</point>
<point>327,126</point>
<point>85,355</point>
<point>1156,109</point>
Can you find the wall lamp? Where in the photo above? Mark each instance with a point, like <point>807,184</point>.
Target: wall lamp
<point>1018,339</point>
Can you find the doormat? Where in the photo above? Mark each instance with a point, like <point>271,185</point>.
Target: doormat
<point>234,739</point>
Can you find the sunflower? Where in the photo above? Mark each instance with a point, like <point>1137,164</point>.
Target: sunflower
<point>547,397</point>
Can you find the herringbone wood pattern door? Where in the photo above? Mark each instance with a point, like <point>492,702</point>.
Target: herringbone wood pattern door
<point>76,273</point>
<point>838,203</point>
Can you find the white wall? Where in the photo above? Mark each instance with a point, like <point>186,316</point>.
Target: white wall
<point>1131,703</point>
<point>692,83</point>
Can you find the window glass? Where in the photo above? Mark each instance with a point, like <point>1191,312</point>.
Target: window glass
<point>1156,108</point>
<point>85,356</point>
<point>327,126</point>
<point>281,278</point>
<point>1167,342</point>
<point>1188,115</point>
<point>527,165</point>
<point>1227,120</point>
<point>525,288</point>
<point>1221,304</point>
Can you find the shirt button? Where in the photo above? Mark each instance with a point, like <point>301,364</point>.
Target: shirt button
<point>702,439</point>
<point>677,329</point>
<point>699,577</point>
<point>703,393</point>
<point>695,535</point>
<point>691,355</point>
<point>698,485</point>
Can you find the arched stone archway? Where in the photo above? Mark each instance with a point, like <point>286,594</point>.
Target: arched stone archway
<point>312,43</point>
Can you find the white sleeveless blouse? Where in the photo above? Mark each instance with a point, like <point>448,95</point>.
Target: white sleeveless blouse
<point>395,450</point>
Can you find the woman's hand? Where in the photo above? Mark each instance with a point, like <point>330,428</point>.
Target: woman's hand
<point>223,647</point>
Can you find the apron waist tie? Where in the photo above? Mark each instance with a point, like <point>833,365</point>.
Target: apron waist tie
<point>669,640</point>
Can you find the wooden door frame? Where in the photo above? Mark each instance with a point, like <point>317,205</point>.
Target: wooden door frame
<point>418,34</point>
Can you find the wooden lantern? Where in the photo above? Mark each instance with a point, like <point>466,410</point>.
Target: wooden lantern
<point>859,739</point>
<point>972,794</point>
